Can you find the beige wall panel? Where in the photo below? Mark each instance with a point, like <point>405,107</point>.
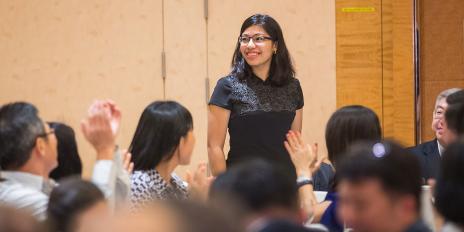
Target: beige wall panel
<point>60,55</point>
<point>185,46</point>
<point>309,31</point>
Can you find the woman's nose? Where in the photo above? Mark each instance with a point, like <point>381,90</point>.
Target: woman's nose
<point>251,44</point>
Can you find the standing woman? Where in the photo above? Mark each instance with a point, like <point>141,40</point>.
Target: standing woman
<point>259,101</point>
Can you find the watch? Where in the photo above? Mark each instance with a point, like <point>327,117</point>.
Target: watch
<point>304,180</point>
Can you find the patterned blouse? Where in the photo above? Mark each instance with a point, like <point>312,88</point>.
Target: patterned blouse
<point>148,186</point>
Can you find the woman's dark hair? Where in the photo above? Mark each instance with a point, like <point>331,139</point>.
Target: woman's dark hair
<point>281,70</point>
<point>349,125</point>
<point>69,162</point>
<point>68,200</point>
<point>449,188</point>
<point>160,128</point>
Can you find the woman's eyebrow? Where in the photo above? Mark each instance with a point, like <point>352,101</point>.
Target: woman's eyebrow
<point>259,33</point>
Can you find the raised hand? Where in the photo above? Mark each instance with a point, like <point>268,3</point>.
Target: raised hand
<point>97,128</point>
<point>303,156</point>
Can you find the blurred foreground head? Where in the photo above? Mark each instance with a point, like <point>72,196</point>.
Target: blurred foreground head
<point>14,220</point>
<point>172,216</point>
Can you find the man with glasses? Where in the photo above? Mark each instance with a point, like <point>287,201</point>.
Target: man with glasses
<point>28,153</point>
<point>429,153</point>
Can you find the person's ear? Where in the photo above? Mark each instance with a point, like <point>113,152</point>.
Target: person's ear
<point>275,47</point>
<point>181,143</point>
<point>40,146</point>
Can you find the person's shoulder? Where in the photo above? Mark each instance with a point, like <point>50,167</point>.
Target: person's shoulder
<point>294,81</point>
<point>227,79</point>
<point>23,197</point>
<point>421,149</point>
<point>143,176</point>
<point>227,82</point>
<point>10,190</point>
<point>178,180</point>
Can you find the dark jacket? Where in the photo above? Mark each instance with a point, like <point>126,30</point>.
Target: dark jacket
<point>429,157</point>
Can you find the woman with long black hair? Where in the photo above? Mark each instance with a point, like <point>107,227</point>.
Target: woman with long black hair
<point>258,102</point>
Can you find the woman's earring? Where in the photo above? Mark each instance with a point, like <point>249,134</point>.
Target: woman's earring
<point>275,51</point>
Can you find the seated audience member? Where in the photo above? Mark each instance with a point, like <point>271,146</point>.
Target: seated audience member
<point>28,153</point>
<point>429,153</point>
<point>75,204</point>
<point>14,220</point>
<point>449,188</point>
<point>268,194</point>
<point>163,140</point>
<point>379,189</point>
<point>69,161</point>
<point>348,125</point>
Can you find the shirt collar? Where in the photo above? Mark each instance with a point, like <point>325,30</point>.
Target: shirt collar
<point>254,78</point>
<point>441,149</point>
<point>175,182</point>
<point>29,180</point>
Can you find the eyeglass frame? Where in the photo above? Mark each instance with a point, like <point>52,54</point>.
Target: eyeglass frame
<point>253,38</point>
<point>45,134</point>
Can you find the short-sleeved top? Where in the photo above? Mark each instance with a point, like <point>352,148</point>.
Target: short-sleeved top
<point>261,114</point>
<point>148,186</point>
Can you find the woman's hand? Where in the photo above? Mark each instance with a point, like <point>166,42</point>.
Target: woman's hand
<point>97,129</point>
<point>304,156</point>
<point>199,183</point>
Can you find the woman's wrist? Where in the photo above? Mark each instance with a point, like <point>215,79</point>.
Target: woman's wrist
<point>303,172</point>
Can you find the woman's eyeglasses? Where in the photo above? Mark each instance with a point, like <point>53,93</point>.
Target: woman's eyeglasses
<point>257,39</point>
<point>44,135</point>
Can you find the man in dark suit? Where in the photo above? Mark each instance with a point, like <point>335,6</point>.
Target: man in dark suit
<point>429,153</point>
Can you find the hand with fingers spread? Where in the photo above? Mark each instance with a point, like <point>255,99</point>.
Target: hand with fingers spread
<point>304,156</point>
<point>199,182</point>
<point>98,131</point>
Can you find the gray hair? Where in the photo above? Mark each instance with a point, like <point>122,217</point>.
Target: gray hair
<point>444,94</point>
<point>20,126</point>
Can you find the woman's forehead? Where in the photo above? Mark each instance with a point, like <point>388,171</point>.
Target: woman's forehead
<point>253,30</point>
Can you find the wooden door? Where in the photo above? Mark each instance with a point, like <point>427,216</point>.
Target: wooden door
<point>441,54</point>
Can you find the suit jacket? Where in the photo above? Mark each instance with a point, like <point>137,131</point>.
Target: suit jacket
<point>429,157</point>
